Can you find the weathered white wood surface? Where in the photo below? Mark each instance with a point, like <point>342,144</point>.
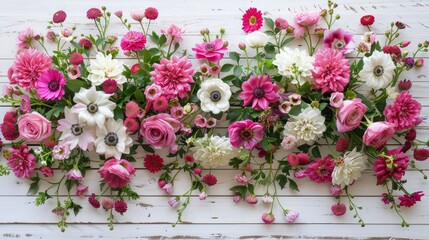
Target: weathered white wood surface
<point>218,216</point>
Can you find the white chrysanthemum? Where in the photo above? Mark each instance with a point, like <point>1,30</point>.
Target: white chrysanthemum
<point>294,64</point>
<point>112,139</point>
<point>213,151</point>
<point>377,70</point>
<point>214,95</point>
<point>348,168</point>
<point>307,127</point>
<point>93,107</point>
<point>103,68</point>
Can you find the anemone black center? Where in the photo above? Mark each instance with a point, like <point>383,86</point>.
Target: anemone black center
<point>378,71</point>
<point>215,96</point>
<point>76,129</point>
<point>92,108</point>
<point>259,92</point>
<point>111,139</point>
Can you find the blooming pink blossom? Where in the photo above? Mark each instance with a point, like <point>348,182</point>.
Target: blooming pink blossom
<point>34,127</point>
<point>50,85</point>
<point>336,190</point>
<point>320,170</point>
<point>259,91</point>
<point>132,109</point>
<point>252,20</point>
<point>177,112</point>
<point>291,216</point>
<point>173,34</point>
<point>339,40</point>
<point>336,99</point>
<point>25,38</point>
<point>281,23</point>
<point>29,66</point>
<point>159,130</point>
<point>137,15</point>
<point>133,41</point>
<point>393,165</point>
<point>242,179</point>
<point>117,173</point>
<point>404,112</point>
<point>306,19</point>
<point>212,51</point>
<point>21,161</point>
<point>410,200</point>
<point>200,121</point>
<point>73,72</point>
<point>331,71</point>
<point>245,134</point>
<point>338,209</point>
<point>152,92</point>
<point>81,190</point>
<point>378,133</point>
<point>350,115</point>
<point>151,13</point>
<point>75,175</point>
<point>268,218</point>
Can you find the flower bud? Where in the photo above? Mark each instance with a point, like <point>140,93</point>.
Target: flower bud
<point>242,46</point>
<point>404,44</point>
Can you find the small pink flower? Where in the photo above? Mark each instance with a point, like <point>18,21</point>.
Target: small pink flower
<point>25,38</point>
<point>251,199</point>
<point>212,51</point>
<point>75,175</point>
<point>107,203</point>
<point>173,33</point>
<point>404,44</point>
<point>291,216</point>
<point>25,104</point>
<point>131,124</point>
<point>73,72</point>
<point>419,62</point>
<point>338,209</point>
<point>252,20</point>
<point>161,183</point>
<point>198,171</point>
<point>200,121</point>
<point>61,151</point>
<point>204,69</point>
<point>281,23</point>
<point>214,70</point>
<point>151,13</point>
<point>288,142</point>
<point>245,134</point>
<point>174,202</point>
<point>242,179</point>
<point>133,41</point>
<point>299,174</point>
<point>211,122</point>
<point>76,58</point>
<point>50,85</point>
<point>81,190</point>
<point>21,161</point>
<point>336,99</point>
<point>295,99</point>
<point>137,15</point>
<point>320,170</point>
<point>285,107</point>
<point>404,111</point>
<point>339,40</point>
<point>132,109</point>
<point>118,13</point>
<point>117,173</point>
<point>259,91</point>
<point>160,104</point>
<point>306,19</point>
<point>46,171</point>
<point>336,190</point>
<point>177,112</point>
<point>202,196</point>
<point>293,159</point>
<point>268,218</point>
<point>189,158</point>
<point>152,92</point>
<point>350,114</point>
<point>8,90</point>
<point>378,133</point>
<point>93,13</point>
<point>168,188</point>
<point>236,198</point>
<point>59,16</point>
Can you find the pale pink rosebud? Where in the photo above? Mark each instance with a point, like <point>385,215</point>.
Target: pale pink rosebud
<point>242,46</point>
<point>7,90</point>
<point>404,44</point>
<point>203,196</point>
<point>51,36</point>
<point>299,174</point>
<point>336,190</point>
<point>419,62</point>
<point>291,216</point>
<point>75,175</point>
<point>251,199</point>
<point>168,188</point>
<point>268,218</point>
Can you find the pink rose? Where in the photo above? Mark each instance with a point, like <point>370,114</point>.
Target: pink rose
<point>34,127</point>
<point>336,99</point>
<point>378,134</point>
<point>306,19</point>
<point>75,175</point>
<point>160,131</point>
<point>117,173</point>
<point>350,114</point>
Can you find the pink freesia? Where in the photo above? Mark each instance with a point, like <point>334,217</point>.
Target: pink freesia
<point>339,40</point>
<point>378,134</point>
<point>21,161</point>
<point>50,85</point>
<point>331,71</point>
<point>173,34</point>
<point>260,92</point>
<point>306,19</point>
<point>245,134</point>
<point>350,115</point>
<point>212,51</point>
<point>133,41</point>
<point>117,173</point>
<point>25,38</point>
<point>159,131</point>
<point>28,67</point>
<point>404,112</point>
<point>34,127</point>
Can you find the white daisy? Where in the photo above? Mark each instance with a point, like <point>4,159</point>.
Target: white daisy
<point>377,70</point>
<point>307,127</point>
<point>348,168</point>
<point>214,95</point>
<point>93,107</point>
<point>112,139</point>
<point>103,68</point>
<point>294,64</point>
<point>213,151</point>
<point>73,132</point>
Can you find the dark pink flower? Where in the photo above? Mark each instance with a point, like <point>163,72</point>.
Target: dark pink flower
<point>133,41</point>
<point>281,23</point>
<point>209,179</point>
<point>110,86</point>
<point>404,111</point>
<point>245,134</point>
<point>93,13</point>
<point>367,20</point>
<point>85,43</point>
<point>268,218</point>
<point>320,170</point>
<point>339,40</point>
<point>393,165</point>
<point>153,163</point>
<point>131,124</point>
<point>132,109</point>
<point>76,58</point>
<point>338,209</point>
<point>21,161</point>
<point>117,173</point>
<point>59,17</point>
<point>212,51</point>
<point>252,20</point>
<point>46,171</point>
<point>259,91</point>
<point>93,201</point>
<point>405,85</point>
<point>342,145</point>
<point>421,154</point>
<point>151,13</point>
<point>410,200</point>
<point>50,85</point>
<point>120,206</point>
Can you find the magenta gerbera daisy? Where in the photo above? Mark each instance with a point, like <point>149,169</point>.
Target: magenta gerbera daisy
<point>133,41</point>
<point>50,85</point>
<point>259,91</point>
<point>252,20</point>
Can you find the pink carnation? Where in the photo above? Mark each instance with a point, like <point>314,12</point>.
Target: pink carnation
<point>404,112</point>
<point>25,38</point>
<point>339,40</point>
<point>320,170</point>
<point>50,85</point>
<point>159,131</point>
<point>173,33</point>
<point>259,91</point>
<point>133,41</point>
<point>212,51</point>
<point>29,66</point>
<point>173,76</point>
<point>245,134</point>
<point>21,161</point>
<point>117,173</point>
<point>394,165</point>
<point>331,70</point>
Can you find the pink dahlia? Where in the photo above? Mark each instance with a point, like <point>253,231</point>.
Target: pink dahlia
<point>173,76</point>
<point>29,66</point>
<point>259,91</point>
<point>50,85</point>
<point>404,112</point>
<point>173,34</point>
<point>331,70</point>
<point>393,165</point>
<point>339,40</point>
<point>25,38</point>
<point>320,170</point>
<point>252,20</point>
<point>133,41</point>
<point>212,51</point>
<point>245,134</point>
<point>21,161</point>
<point>117,173</point>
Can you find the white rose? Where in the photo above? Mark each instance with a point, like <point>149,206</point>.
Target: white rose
<point>257,39</point>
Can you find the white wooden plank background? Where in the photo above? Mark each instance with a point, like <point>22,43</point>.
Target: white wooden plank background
<point>217,217</point>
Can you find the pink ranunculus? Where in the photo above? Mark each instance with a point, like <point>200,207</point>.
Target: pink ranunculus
<point>336,99</point>
<point>159,131</point>
<point>116,172</point>
<point>306,19</point>
<point>34,127</point>
<point>378,134</point>
<point>350,114</point>
<point>245,134</point>
<point>212,51</point>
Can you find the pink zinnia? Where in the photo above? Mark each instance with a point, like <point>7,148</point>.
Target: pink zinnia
<point>173,76</point>
<point>404,112</point>
<point>245,134</point>
<point>331,70</point>
<point>50,85</point>
<point>212,51</point>
<point>25,38</point>
<point>338,209</point>
<point>117,173</point>
<point>320,170</point>
<point>133,41</point>
<point>132,109</point>
<point>173,33</point>
<point>21,161</point>
<point>394,165</point>
<point>110,86</point>
<point>259,91</point>
<point>252,20</point>
<point>29,66</point>
<point>339,40</point>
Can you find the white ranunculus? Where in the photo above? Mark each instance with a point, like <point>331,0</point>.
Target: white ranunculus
<point>112,139</point>
<point>378,70</point>
<point>307,127</point>
<point>294,64</point>
<point>348,168</point>
<point>214,95</point>
<point>256,39</point>
<point>213,151</point>
<point>103,68</point>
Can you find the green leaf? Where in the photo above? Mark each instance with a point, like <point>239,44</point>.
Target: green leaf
<point>162,40</point>
<point>76,85</point>
<point>154,37</point>
<point>227,67</point>
<point>34,188</point>
<point>235,56</point>
<point>240,190</point>
<point>293,185</point>
<point>269,48</point>
<point>269,22</point>
<point>251,188</point>
<point>238,71</point>
<point>286,41</point>
<point>139,95</point>
<point>282,180</point>
<point>322,106</point>
<point>235,162</point>
<point>148,148</point>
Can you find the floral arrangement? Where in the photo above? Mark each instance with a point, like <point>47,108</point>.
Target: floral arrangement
<point>281,105</point>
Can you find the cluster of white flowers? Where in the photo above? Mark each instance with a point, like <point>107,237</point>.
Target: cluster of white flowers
<point>213,151</point>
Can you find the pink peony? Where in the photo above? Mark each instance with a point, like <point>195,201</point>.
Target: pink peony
<point>29,66</point>
<point>159,131</point>
<point>34,127</point>
<point>320,170</point>
<point>245,134</point>
<point>252,20</point>
<point>212,51</point>
<point>339,40</point>
<point>173,76</point>
<point>25,38</point>
<point>393,165</point>
<point>404,112</point>
<point>259,91</point>
<point>173,34</point>
<point>331,70</point>
<point>350,115</point>
<point>117,173</point>
<point>378,134</point>
<point>21,161</point>
<point>133,41</point>
<point>50,85</point>
<point>306,19</point>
